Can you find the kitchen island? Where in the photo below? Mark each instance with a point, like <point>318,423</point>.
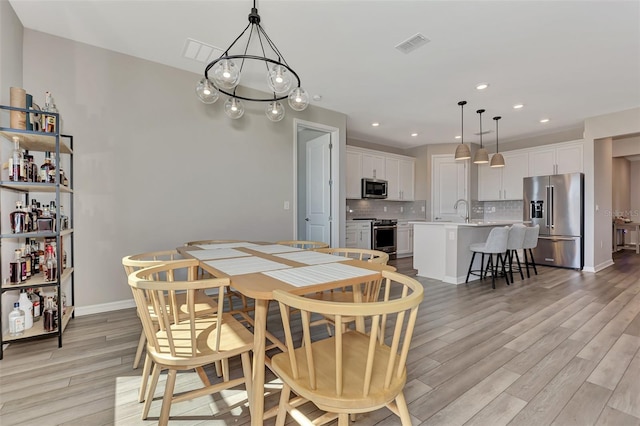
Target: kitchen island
<point>441,249</point>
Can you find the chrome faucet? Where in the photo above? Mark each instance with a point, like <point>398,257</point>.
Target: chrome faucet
<point>466,209</point>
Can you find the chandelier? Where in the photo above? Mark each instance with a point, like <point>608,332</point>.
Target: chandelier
<point>223,75</point>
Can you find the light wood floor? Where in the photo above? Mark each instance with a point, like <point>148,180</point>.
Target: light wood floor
<point>561,348</point>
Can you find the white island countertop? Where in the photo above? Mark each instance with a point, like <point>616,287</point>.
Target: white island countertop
<point>441,249</point>
<point>472,223</point>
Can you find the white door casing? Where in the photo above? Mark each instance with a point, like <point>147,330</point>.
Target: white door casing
<point>318,189</point>
<point>449,180</point>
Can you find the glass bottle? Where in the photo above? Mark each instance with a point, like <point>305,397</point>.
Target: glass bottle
<point>35,213</point>
<point>45,168</point>
<point>40,254</point>
<point>28,171</point>
<point>64,219</point>
<point>26,256</point>
<point>16,321</point>
<point>48,120</point>
<point>18,219</point>
<point>45,222</point>
<point>49,320</point>
<point>52,265</point>
<point>35,300</point>
<point>16,163</point>
<point>35,259</point>
<point>15,268</point>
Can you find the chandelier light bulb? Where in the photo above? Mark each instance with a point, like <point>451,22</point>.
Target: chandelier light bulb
<point>275,111</point>
<point>206,91</point>
<point>234,108</point>
<point>298,99</point>
<point>279,79</point>
<point>226,74</point>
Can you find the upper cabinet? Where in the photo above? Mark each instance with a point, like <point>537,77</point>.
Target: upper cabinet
<point>503,183</point>
<point>556,159</point>
<point>398,170</point>
<point>373,165</point>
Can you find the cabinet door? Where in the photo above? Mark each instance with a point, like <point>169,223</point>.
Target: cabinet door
<point>364,237</point>
<point>373,166</point>
<point>403,245</point>
<point>542,161</point>
<point>569,159</point>
<point>392,172</point>
<point>354,174</point>
<point>407,179</point>
<point>351,237</point>
<point>489,182</point>
<point>516,168</point>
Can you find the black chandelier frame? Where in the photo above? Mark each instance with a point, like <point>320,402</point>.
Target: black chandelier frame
<point>254,24</point>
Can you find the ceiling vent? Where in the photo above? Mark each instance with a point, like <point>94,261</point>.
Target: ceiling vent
<point>412,43</point>
<point>484,133</point>
<point>199,51</point>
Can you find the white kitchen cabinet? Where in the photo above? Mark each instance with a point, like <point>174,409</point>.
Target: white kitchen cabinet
<point>503,183</point>
<point>404,239</point>
<point>557,159</point>
<point>397,170</point>
<point>373,165</point>
<point>358,235</point>
<point>354,174</point>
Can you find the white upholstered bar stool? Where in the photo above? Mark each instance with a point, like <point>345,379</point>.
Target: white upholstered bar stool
<point>515,243</point>
<point>496,244</point>
<point>530,242</point>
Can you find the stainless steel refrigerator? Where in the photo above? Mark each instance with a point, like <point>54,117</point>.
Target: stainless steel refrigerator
<point>556,203</point>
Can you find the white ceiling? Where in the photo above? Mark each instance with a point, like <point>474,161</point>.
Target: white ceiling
<point>565,60</point>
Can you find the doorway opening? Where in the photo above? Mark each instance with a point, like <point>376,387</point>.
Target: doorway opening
<point>316,183</point>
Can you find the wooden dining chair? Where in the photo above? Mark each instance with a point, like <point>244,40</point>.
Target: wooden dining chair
<point>369,291</point>
<point>179,338</point>
<point>230,293</point>
<point>355,371</point>
<point>307,245</point>
<point>205,305</point>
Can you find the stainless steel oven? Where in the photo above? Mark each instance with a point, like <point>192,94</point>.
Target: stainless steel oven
<point>384,236</point>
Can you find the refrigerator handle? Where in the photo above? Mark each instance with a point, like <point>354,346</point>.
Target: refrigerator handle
<point>552,199</point>
<point>546,213</point>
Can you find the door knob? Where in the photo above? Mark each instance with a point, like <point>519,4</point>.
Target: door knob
<point>307,219</point>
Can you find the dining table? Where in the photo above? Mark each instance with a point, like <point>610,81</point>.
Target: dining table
<point>256,269</point>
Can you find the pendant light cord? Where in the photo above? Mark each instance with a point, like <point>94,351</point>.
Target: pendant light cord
<point>497,147</point>
<point>480,111</point>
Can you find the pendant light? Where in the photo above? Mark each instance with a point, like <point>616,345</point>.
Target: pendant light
<point>462,151</point>
<point>481,156</point>
<point>497,160</point>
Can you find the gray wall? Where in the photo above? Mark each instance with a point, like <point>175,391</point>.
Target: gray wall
<point>620,190</point>
<point>10,51</point>
<point>154,167</point>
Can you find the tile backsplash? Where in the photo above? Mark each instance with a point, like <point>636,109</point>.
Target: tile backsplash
<point>382,209</point>
<point>496,210</point>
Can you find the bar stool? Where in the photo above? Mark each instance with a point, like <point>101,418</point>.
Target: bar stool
<point>515,243</point>
<point>496,244</point>
<point>530,242</point>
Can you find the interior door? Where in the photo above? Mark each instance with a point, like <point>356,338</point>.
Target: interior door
<point>318,189</point>
<point>449,184</point>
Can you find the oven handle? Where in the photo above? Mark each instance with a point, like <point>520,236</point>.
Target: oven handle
<point>376,227</point>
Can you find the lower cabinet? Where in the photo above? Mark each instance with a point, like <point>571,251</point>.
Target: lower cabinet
<point>358,235</point>
<point>404,239</point>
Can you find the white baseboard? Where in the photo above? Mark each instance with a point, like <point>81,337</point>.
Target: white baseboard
<point>104,307</point>
<point>598,267</point>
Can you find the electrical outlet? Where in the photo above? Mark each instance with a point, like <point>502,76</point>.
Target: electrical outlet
<point>401,209</point>
<point>385,208</point>
<point>286,205</point>
<point>422,208</point>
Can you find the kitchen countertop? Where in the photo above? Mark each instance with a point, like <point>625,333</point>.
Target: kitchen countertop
<point>474,223</point>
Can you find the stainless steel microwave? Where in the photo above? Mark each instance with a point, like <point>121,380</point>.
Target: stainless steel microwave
<point>374,188</point>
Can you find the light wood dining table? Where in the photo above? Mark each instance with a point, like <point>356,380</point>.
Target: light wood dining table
<point>300,272</point>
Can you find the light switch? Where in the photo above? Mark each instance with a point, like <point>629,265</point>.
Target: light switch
<point>286,205</point>
<point>452,236</point>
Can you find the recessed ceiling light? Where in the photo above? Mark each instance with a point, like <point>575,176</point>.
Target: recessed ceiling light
<point>414,134</point>
<point>544,120</point>
<point>518,106</point>
<point>317,97</point>
<point>482,86</point>
<point>375,124</point>
<point>458,137</point>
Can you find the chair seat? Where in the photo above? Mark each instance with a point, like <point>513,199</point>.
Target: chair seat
<point>204,304</point>
<point>353,368</point>
<point>234,339</point>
